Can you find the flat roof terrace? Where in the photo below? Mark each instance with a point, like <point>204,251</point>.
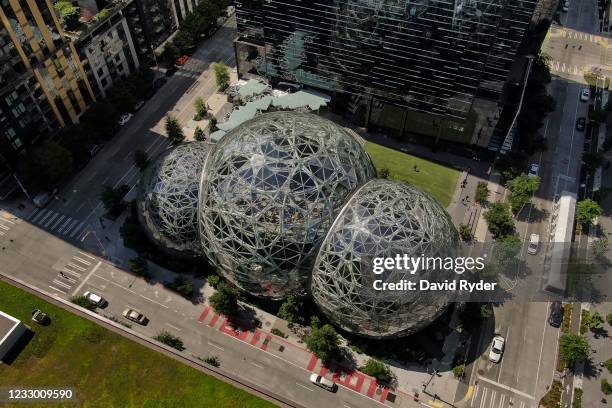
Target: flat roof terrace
<point>7,325</point>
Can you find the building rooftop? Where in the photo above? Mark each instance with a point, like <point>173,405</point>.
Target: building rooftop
<point>7,325</point>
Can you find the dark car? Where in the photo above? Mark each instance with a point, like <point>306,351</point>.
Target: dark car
<point>580,124</point>
<point>40,317</point>
<point>556,314</point>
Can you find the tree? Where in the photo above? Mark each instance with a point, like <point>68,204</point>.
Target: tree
<point>212,125</point>
<point>198,134</point>
<point>592,161</point>
<point>586,211</point>
<point>222,75</point>
<point>225,300</point>
<point>139,266</point>
<point>121,97</point>
<point>100,120</point>
<point>522,188</point>
<point>170,340</point>
<point>170,54</point>
<point>465,232</point>
<point>83,302</point>
<point>482,193</point>
<point>46,166</point>
<point>574,348</point>
<point>183,41</point>
<point>592,320</point>
<point>499,221</point>
<point>213,280</point>
<point>290,310</point>
<point>200,108</point>
<point>378,370</point>
<point>459,370</point>
<point>182,285</point>
<point>324,343</point>
<point>112,198</point>
<point>141,159</point>
<point>69,15</point>
<point>174,130</point>
<point>606,387</point>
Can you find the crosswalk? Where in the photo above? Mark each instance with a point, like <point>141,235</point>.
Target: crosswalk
<point>571,69</point>
<point>491,397</point>
<point>56,222</point>
<point>72,273</point>
<point>6,223</point>
<point>579,35</point>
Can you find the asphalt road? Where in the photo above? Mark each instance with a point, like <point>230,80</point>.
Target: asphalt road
<point>528,364</point>
<point>77,208</point>
<point>51,264</point>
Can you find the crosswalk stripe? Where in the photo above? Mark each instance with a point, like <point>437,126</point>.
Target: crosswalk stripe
<point>69,279</point>
<point>57,222</point>
<point>71,226</point>
<point>33,214</point>
<point>46,213</point>
<point>81,260</point>
<point>87,255</point>
<point>56,289</point>
<point>5,220</point>
<point>77,229</point>
<point>64,224</point>
<point>50,220</point>
<point>39,213</point>
<point>80,268</point>
<point>4,227</point>
<point>1,233</point>
<point>62,284</point>
<point>73,273</point>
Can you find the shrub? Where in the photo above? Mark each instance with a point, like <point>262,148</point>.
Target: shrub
<point>465,232</point>
<point>139,266</point>
<point>225,300</point>
<point>290,310</point>
<point>170,340</point>
<point>384,173</point>
<point>324,343</point>
<point>608,365</point>
<point>222,75</point>
<point>378,370</point>
<point>213,361</point>
<point>278,332</point>
<point>213,280</point>
<point>609,318</point>
<point>182,285</point>
<point>482,193</point>
<point>83,302</point>
<point>606,387</point>
<point>459,370</point>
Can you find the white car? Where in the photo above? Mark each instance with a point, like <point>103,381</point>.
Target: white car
<point>497,349</point>
<point>585,94</point>
<point>534,170</point>
<point>323,382</point>
<point>134,316</point>
<point>534,244</point>
<point>95,298</point>
<point>124,119</point>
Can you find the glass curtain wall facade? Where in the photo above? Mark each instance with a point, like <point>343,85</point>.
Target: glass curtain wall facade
<point>401,61</point>
<point>42,84</point>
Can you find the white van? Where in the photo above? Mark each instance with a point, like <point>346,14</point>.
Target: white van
<point>534,244</point>
<point>323,382</point>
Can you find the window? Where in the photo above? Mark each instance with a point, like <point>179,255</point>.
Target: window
<point>10,133</point>
<point>16,144</point>
<point>18,110</point>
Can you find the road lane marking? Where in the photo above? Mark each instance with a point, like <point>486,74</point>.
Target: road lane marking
<point>87,255</point>
<point>483,398</point>
<point>50,220</point>
<point>40,213</point>
<point>303,386</point>
<point>56,289</point>
<point>173,327</point>
<point>501,364</point>
<point>507,388</point>
<point>475,397</point>
<point>33,214</point>
<point>81,260</point>
<point>257,365</point>
<point>95,268</point>
<point>62,284</point>
<point>4,219</point>
<point>210,343</point>
<point>71,226</point>
<point>130,290</point>
<point>80,268</point>
<point>56,223</point>
<point>69,279</point>
<point>77,229</point>
<point>78,275</point>
<point>64,224</point>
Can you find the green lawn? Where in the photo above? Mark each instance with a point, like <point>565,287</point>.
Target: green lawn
<point>105,369</point>
<point>437,180</point>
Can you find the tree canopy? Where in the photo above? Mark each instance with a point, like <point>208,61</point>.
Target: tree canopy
<point>587,210</point>
<point>522,188</point>
<point>174,129</point>
<point>574,348</point>
<point>225,300</point>
<point>47,165</point>
<point>324,343</point>
<point>499,221</point>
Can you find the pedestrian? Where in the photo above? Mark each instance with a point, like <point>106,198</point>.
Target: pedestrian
<point>62,274</point>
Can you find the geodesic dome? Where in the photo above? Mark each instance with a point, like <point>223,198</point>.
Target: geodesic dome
<point>168,201</point>
<point>270,190</point>
<point>382,219</point>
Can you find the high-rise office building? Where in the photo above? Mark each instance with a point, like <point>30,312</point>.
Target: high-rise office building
<point>42,84</point>
<point>412,67</point>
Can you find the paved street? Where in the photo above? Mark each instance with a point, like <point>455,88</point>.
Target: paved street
<point>77,208</point>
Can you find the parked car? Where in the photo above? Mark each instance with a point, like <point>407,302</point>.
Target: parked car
<point>134,316</point>
<point>534,244</point>
<point>534,170</point>
<point>585,94</point>
<point>138,105</point>
<point>323,382</point>
<point>42,199</point>
<point>580,124</point>
<point>40,317</point>
<point>565,6</point>
<point>94,149</point>
<point>125,118</point>
<point>556,314</point>
<point>96,299</point>
<point>497,349</point>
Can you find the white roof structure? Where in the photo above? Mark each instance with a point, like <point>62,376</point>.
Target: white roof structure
<point>557,258</point>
